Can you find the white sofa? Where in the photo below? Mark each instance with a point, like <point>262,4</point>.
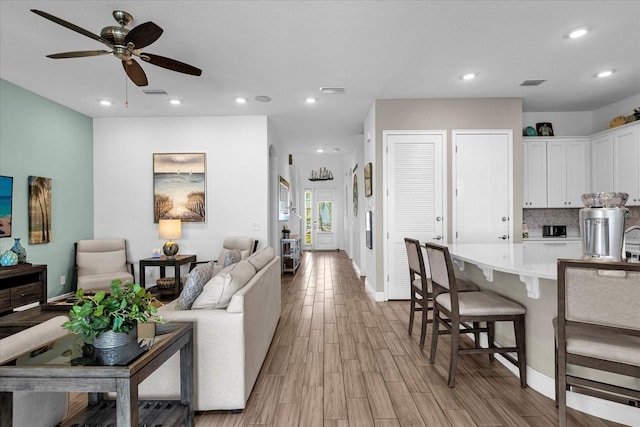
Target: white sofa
<point>31,408</point>
<point>230,343</point>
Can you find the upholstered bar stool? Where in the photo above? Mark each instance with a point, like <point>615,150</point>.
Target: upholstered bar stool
<point>455,310</point>
<point>598,327</point>
<point>421,289</point>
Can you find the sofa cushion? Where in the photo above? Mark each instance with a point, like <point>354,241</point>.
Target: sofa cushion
<point>218,291</point>
<point>198,277</point>
<point>231,257</point>
<point>262,257</point>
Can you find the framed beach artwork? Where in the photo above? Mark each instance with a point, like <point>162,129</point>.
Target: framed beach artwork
<point>368,189</point>
<point>6,204</point>
<point>39,210</point>
<point>179,188</point>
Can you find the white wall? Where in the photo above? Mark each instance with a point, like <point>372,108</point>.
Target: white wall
<point>236,188</point>
<point>565,123</point>
<point>582,123</point>
<point>604,115</point>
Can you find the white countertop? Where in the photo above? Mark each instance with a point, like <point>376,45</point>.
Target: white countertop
<point>530,261</point>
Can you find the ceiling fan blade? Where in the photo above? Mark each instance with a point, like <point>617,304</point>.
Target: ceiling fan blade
<point>78,54</point>
<point>143,35</point>
<point>135,72</point>
<point>71,26</point>
<point>170,64</point>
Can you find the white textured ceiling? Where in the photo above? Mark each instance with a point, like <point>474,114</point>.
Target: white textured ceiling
<point>288,49</point>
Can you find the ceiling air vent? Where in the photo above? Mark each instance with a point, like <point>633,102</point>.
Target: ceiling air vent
<point>332,90</point>
<point>532,82</point>
<point>154,92</point>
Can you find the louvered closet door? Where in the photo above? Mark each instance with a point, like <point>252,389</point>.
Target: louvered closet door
<point>414,179</point>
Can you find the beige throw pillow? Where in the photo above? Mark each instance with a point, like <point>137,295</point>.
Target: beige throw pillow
<point>262,257</point>
<point>218,291</point>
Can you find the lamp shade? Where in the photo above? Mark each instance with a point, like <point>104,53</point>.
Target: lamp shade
<point>170,229</point>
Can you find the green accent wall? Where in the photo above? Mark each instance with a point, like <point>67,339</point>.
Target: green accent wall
<point>41,138</point>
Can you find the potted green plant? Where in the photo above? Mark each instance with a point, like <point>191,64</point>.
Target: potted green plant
<point>111,320</point>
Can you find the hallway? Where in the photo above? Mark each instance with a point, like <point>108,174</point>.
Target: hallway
<point>338,358</point>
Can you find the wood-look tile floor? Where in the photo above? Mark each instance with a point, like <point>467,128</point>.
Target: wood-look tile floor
<point>339,358</point>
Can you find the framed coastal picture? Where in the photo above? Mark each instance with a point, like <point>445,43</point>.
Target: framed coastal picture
<point>368,190</point>
<point>39,210</point>
<point>6,204</point>
<point>355,195</point>
<point>179,186</point>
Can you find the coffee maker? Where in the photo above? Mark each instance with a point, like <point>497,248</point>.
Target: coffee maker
<point>602,227</point>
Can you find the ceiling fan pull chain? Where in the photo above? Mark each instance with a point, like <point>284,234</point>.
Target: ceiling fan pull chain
<point>126,92</point>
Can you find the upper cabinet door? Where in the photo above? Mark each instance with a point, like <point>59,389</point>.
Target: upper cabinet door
<point>535,174</point>
<point>602,164</point>
<point>576,172</point>
<point>626,164</point>
<point>567,165</point>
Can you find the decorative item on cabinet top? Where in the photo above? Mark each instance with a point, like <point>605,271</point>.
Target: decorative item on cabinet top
<point>544,129</point>
<point>322,174</point>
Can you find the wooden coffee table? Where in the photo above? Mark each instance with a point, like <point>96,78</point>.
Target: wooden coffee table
<point>20,320</point>
<point>122,380</point>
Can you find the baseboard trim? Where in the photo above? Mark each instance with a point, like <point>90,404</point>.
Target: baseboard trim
<point>601,408</point>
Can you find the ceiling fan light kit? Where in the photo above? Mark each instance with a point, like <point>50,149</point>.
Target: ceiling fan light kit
<point>125,44</point>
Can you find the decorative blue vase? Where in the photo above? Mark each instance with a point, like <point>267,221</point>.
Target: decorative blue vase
<point>19,250</point>
<point>8,259</point>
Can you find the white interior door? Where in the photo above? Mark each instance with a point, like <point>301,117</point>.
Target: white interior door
<point>414,186</point>
<point>322,209</point>
<point>483,185</point>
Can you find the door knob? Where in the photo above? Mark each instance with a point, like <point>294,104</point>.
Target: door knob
<point>503,237</point>
<point>437,238</point>
<point>438,218</point>
<point>504,218</point>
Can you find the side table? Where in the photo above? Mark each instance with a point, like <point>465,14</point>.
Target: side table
<point>164,262</point>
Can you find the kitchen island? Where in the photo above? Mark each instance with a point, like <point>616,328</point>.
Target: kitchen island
<point>527,273</point>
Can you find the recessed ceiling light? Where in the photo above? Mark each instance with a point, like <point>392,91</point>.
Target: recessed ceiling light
<point>175,102</point>
<point>262,98</point>
<point>310,100</point>
<point>605,73</point>
<point>241,100</point>
<point>579,32</point>
<point>320,150</point>
<point>468,76</point>
<point>105,102</point>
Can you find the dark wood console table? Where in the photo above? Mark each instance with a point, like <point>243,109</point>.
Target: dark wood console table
<point>22,284</point>
<point>126,410</point>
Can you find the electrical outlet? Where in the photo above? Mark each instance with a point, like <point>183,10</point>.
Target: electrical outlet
<point>63,280</point>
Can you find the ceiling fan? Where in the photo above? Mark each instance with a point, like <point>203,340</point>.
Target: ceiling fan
<point>124,44</point>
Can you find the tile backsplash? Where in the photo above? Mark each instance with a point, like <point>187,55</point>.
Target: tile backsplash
<point>536,218</point>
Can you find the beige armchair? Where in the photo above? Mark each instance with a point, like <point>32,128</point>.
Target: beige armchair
<point>99,262</point>
<point>35,408</point>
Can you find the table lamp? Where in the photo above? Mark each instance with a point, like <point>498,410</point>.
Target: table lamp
<point>170,229</point>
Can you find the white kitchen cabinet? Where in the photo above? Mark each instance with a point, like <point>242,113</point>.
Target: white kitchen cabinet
<point>567,172</point>
<point>626,164</point>
<point>535,173</point>
<point>616,160</point>
<point>602,163</point>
